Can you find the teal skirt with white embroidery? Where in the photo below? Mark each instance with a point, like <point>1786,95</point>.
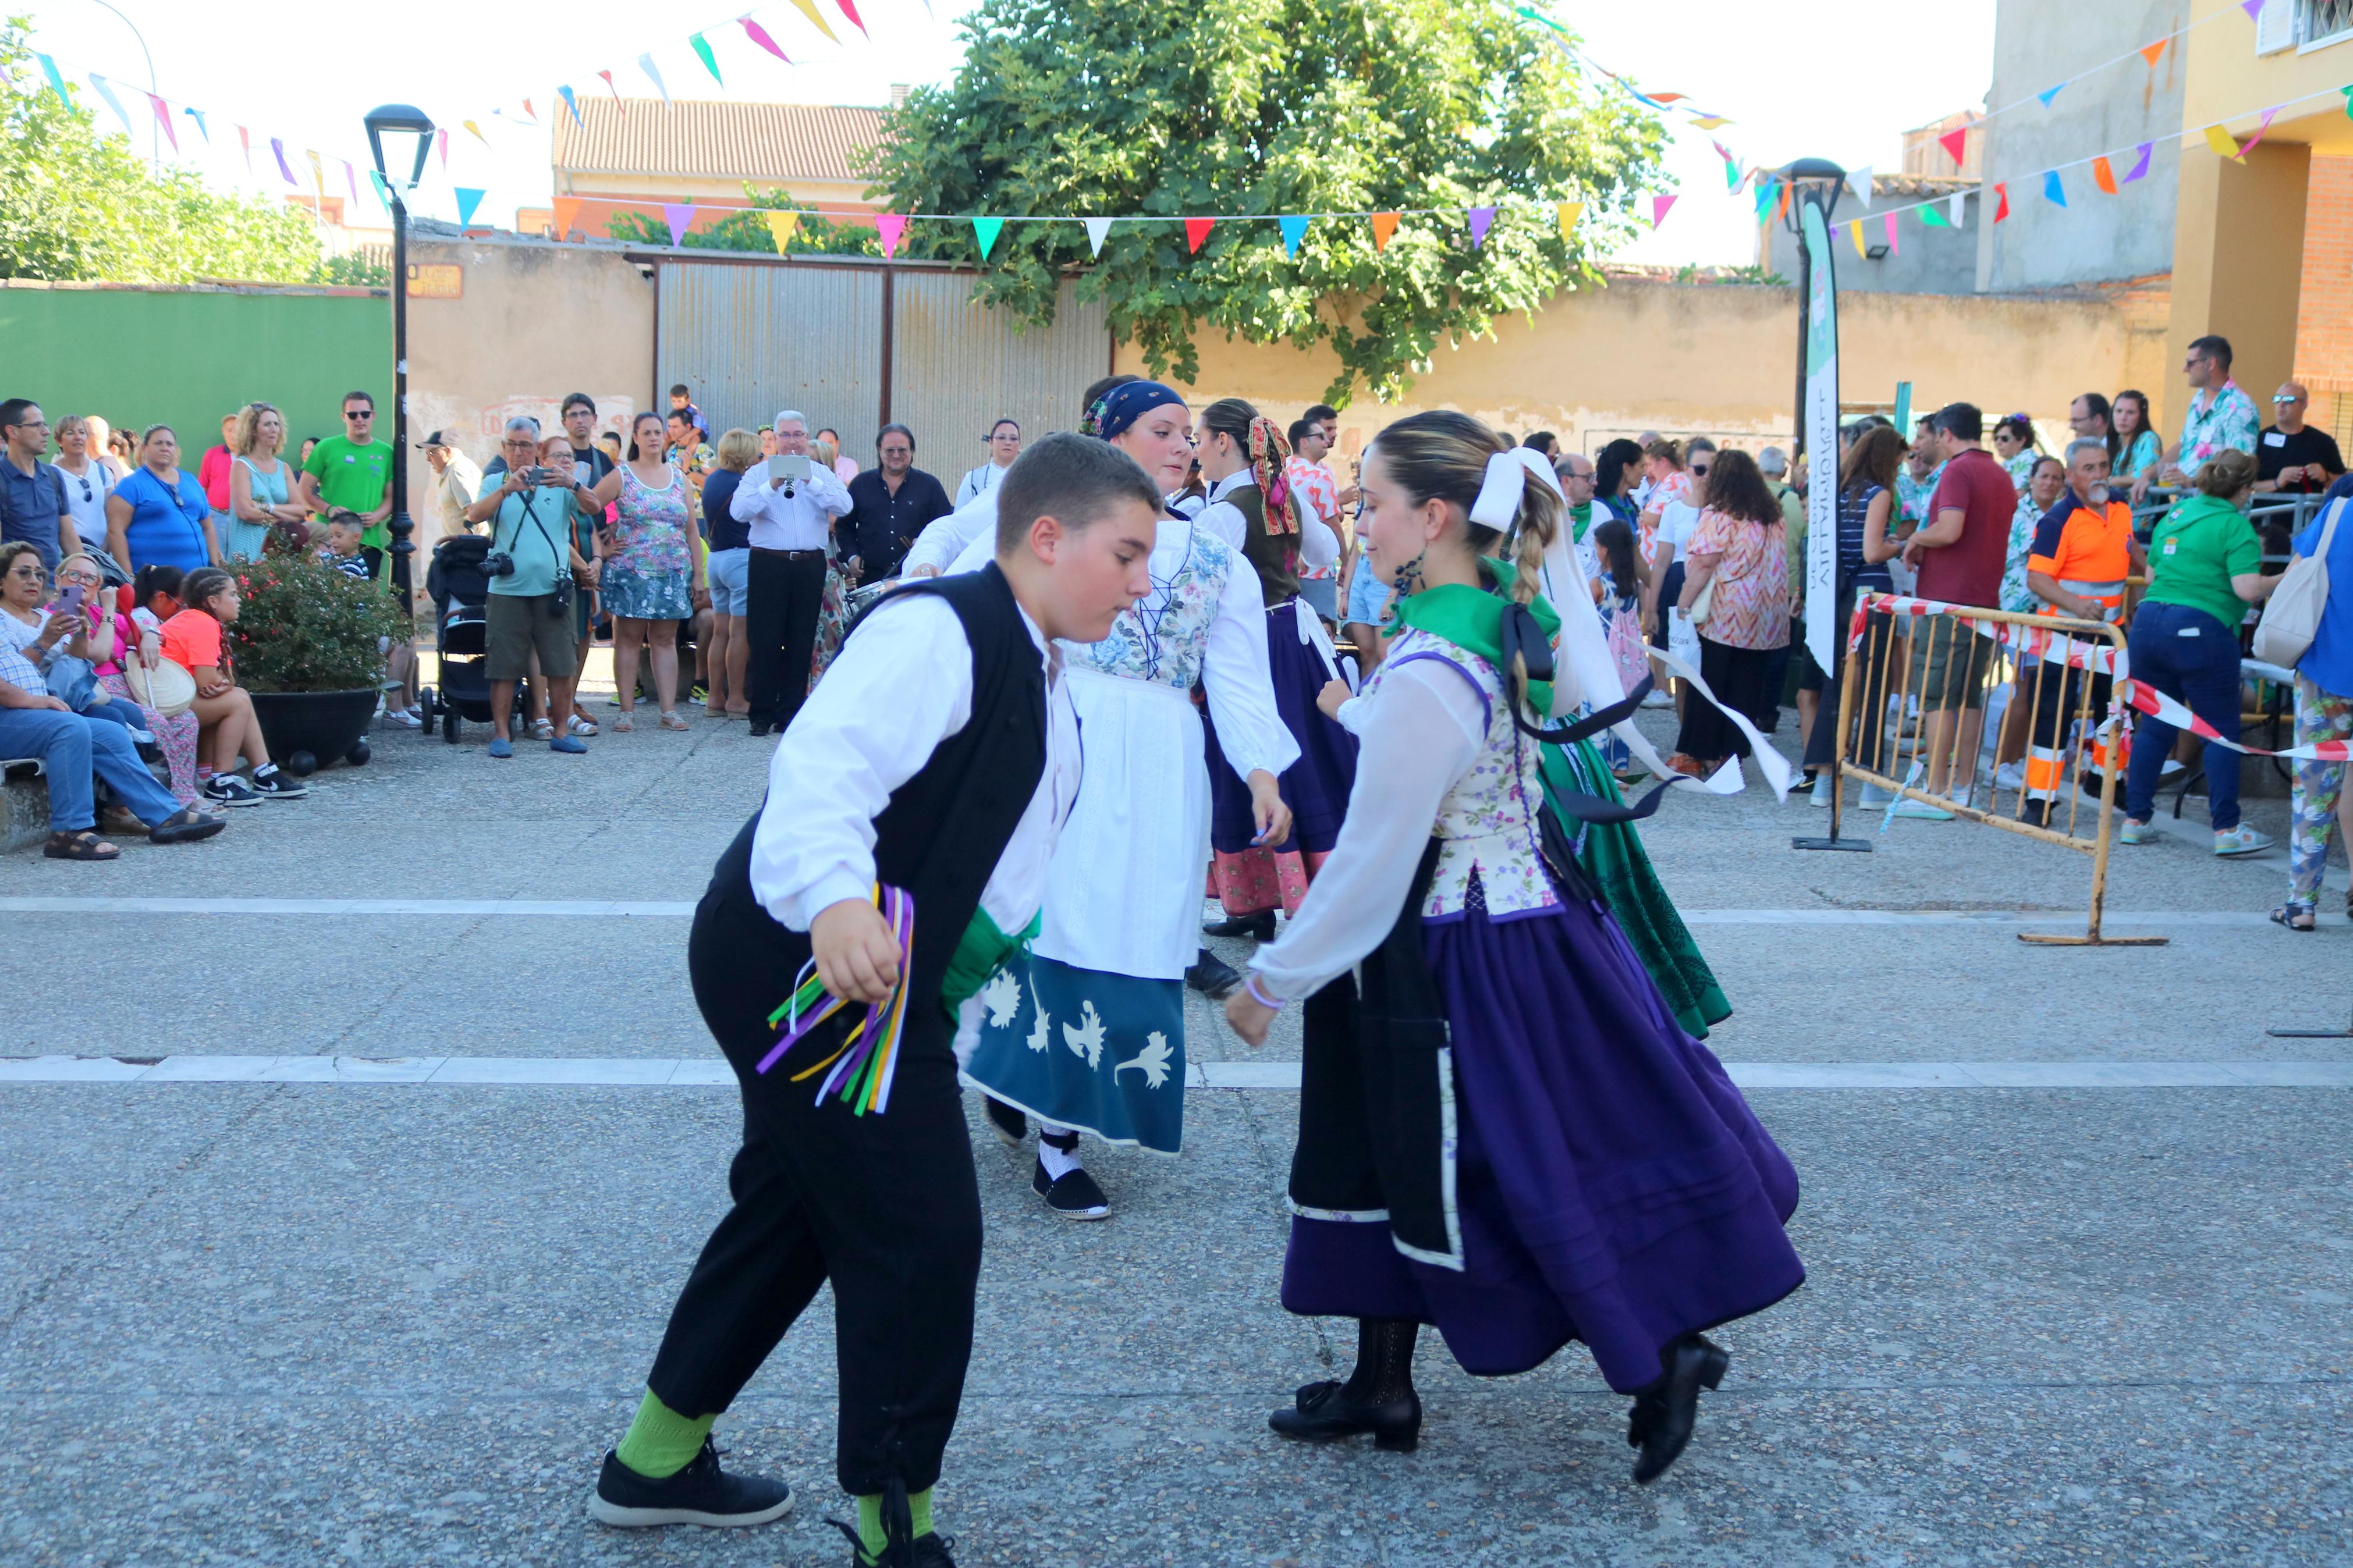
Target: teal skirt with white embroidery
<point>1104,1053</point>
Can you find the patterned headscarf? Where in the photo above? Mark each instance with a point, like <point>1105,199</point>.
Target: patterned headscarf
<point>1269,455</point>
<point>1123,405</point>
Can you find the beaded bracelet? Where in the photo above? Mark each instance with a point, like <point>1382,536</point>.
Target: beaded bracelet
<point>1273,1003</point>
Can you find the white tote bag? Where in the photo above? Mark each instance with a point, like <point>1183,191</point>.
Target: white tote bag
<point>2292,617</point>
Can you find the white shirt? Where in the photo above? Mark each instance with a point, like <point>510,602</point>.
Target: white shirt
<point>978,482</point>
<point>1318,544</point>
<point>945,538</point>
<point>803,520</point>
<point>88,516</point>
<point>457,486</point>
<point>899,688</point>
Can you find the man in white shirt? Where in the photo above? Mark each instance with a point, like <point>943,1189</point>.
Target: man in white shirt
<point>1004,445</point>
<point>792,529</point>
<point>457,479</point>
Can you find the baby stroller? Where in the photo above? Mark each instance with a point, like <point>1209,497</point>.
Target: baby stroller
<point>460,590</point>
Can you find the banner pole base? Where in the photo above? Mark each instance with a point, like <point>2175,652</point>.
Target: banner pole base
<point>1851,846</point>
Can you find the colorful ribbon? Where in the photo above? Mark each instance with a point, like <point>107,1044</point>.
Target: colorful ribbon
<point>866,1061</point>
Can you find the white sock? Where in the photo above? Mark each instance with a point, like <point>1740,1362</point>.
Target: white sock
<point>1057,1163</point>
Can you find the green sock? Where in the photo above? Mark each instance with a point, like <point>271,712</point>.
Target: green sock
<point>870,1520</point>
<point>660,1442</point>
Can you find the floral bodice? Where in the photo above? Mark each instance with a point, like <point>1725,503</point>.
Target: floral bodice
<point>1487,821</point>
<point>1162,637</point>
<point>651,537</point>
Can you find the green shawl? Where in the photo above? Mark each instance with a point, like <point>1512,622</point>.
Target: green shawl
<point>1473,618</point>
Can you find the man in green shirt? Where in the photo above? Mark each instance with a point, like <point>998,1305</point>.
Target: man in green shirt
<point>352,471</point>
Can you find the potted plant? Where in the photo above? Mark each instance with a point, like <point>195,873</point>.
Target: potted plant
<point>308,644</point>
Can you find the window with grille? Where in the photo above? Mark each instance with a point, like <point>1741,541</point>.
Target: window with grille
<point>2314,22</point>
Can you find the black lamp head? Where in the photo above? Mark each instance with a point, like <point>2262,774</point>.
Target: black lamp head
<point>403,123</point>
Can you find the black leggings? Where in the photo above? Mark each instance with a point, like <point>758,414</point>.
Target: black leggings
<point>1739,678</point>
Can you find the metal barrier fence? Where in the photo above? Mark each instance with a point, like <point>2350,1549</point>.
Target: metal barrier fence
<point>1951,658</point>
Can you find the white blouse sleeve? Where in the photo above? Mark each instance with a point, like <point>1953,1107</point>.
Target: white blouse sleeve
<point>1239,682</point>
<point>1421,731</point>
<point>944,539</point>
<point>1318,544</point>
<point>1224,520</point>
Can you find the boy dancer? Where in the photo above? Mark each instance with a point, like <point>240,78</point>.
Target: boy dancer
<point>936,759</point>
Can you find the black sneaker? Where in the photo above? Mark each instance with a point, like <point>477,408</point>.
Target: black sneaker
<point>278,785</point>
<point>699,1494</point>
<point>1259,925</point>
<point>1212,976</point>
<point>228,789</point>
<point>1073,1195</point>
<point>1006,1120</point>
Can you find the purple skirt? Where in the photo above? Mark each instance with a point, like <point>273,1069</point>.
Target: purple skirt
<point>1611,1184</point>
<point>1246,877</point>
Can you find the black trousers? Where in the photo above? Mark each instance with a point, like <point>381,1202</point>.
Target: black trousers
<point>2057,693</point>
<point>783,592</point>
<point>885,1207</point>
<point>1738,676</point>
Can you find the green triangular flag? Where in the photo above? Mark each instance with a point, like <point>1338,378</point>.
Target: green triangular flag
<point>702,50</point>
<point>985,230</point>
<point>1935,219</point>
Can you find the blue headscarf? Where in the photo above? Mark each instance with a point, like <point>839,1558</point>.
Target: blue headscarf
<point>1123,405</point>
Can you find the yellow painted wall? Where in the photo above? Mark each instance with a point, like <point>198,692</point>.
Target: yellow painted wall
<point>2238,267</point>
<point>1722,361</point>
<point>2228,82</point>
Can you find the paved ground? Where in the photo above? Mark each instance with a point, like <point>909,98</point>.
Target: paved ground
<point>396,1322</point>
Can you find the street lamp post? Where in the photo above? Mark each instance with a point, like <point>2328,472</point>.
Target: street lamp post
<point>401,125</point>
<point>1820,180</point>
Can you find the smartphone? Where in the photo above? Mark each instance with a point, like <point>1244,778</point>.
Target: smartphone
<point>539,476</point>
<point>69,601</point>
<point>792,465</point>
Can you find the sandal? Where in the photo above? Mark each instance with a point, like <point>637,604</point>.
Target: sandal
<point>540,730</point>
<point>672,722</point>
<point>2295,916</point>
<point>82,844</point>
<point>580,726</point>
<point>186,826</point>
<point>622,726</point>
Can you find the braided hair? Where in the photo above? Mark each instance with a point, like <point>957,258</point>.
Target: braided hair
<point>1267,452</point>
<point>1444,454</point>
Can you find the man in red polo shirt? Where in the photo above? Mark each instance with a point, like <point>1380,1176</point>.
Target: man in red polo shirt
<point>2084,552</point>
<point>1959,553</point>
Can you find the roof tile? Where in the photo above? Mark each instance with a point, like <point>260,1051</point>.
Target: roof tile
<point>707,140</point>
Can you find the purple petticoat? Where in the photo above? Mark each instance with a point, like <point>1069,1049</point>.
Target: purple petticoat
<point>1611,1183</point>
<point>1316,786</point>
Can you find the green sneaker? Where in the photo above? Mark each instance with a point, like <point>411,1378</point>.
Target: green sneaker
<point>2242,840</point>
<point>2136,832</point>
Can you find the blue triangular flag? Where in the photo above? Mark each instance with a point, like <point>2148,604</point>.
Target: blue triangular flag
<point>1295,229</point>
<point>49,69</point>
<point>2052,191</point>
<point>468,201</point>
<point>113,102</point>
<point>571,103</point>
<point>383,191</point>
<point>2047,94</point>
<point>198,116</point>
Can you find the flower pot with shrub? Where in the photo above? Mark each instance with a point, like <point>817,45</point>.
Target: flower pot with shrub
<point>308,644</point>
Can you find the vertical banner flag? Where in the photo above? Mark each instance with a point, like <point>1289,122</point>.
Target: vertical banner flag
<point>1295,229</point>
<point>759,34</point>
<point>1482,220</point>
<point>1384,225</point>
<point>1098,227</point>
<point>984,231</point>
<point>57,80</point>
<point>646,64</point>
<point>1821,425</point>
<point>808,9</point>
<point>468,200</point>
<point>1196,229</point>
<point>679,216</point>
<point>702,48</point>
<point>890,225</point>
<point>1568,213</point>
<point>781,227</point>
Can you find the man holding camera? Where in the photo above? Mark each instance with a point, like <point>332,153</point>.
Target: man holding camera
<point>791,504</point>
<point>532,564</point>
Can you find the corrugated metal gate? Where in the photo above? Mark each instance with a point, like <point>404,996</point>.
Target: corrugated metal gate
<point>857,345</point>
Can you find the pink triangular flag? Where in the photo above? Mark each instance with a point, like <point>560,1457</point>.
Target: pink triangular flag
<point>1955,143</point>
<point>759,34</point>
<point>890,225</point>
<point>2248,146</point>
<point>679,216</point>
<point>608,83</point>
<point>1659,205</point>
<point>164,118</point>
<point>1894,246</point>
<point>850,11</point>
<point>444,137</point>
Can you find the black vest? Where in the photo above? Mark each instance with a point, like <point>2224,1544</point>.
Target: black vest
<point>945,828</point>
<point>1276,556</point>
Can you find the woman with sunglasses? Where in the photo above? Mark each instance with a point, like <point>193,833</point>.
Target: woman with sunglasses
<point>261,493</point>
<point>89,481</point>
<point>159,515</point>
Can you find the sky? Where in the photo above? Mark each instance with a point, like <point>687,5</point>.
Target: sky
<point>1835,79</point>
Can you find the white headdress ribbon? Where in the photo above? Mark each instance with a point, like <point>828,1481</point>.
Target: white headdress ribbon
<point>1500,492</point>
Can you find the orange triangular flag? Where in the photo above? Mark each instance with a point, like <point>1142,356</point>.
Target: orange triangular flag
<point>2103,177</point>
<point>2154,53</point>
<point>1384,225</point>
<point>568,216</point>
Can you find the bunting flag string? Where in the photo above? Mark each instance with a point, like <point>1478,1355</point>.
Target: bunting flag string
<point>477,133</point>
<point>278,150</point>
<point>57,80</point>
<point>1858,182</point>
<point>442,136</point>
<point>2141,168</point>
<point>245,140</point>
<point>1854,233</point>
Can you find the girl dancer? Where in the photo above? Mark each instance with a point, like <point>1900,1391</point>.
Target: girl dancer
<point>1251,505</point>
<point>1087,1028</point>
<point>1552,1159</point>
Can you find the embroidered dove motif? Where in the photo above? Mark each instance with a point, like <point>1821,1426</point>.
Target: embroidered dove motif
<point>1152,1060</point>
<point>1039,1035</point>
<point>1002,996</point>
<point>1086,1038</point>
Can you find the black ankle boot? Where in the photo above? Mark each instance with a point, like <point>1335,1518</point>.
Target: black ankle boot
<point>1259,926</point>
<point>1378,1397</point>
<point>1665,1412</point>
<point>1212,976</point>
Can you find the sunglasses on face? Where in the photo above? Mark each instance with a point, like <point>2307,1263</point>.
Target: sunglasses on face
<point>1700,469</point>
<point>362,414</point>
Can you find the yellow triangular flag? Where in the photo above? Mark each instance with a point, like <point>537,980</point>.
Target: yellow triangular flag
<point>2223,143</point>
<point>782,224</point>
<point>1711,121</point>
<point>808,9</point>
<point>1854,233</point>
<point>1568,213</point>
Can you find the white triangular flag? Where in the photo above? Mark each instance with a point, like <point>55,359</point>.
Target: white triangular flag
<point>1959,206</point>
<point>1858,182</point>
<point>1097,228</point>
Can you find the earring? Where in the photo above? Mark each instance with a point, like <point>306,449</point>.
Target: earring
<point>1408,579</point>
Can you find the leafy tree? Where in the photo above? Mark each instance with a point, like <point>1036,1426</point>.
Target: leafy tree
<point>76,206</point>
<point>1078,108</point>
<point>749,231</point>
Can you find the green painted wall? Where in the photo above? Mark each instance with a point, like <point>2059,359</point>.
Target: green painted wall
<point>185,356</point>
